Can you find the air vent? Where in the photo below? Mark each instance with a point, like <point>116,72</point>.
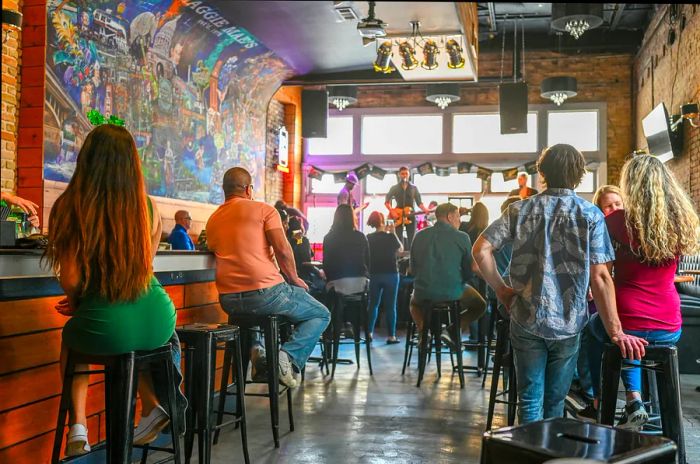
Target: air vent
<point>346,13</point>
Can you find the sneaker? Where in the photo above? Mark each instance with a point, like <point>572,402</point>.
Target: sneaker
<point>77,441</point>
<point>392,341</point>
<point>286,371</point>
<point>258,361</point>
<point>575,401</point>
<point>588,414</point>
<point>447,340</point>
<point>347,331</point>
<point>634,417</point>
<point>150,426</point>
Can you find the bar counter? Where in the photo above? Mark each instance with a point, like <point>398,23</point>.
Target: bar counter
<point>30,342</point>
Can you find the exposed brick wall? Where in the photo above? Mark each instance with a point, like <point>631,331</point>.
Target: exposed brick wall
<point>273,178</point>
<point>601,78</point>
<point>671,74</point>
<point>11,59</point>
<point>290,96</point>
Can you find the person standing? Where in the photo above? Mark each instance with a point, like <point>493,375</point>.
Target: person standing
<point>523,191</point>
<point>247,239</point>
<point>560,245</point>
<point>405,194</point>
<point>179,238</point>
<point>345,196</point>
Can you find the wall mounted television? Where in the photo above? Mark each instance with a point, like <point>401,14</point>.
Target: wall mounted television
<point>662,141</point>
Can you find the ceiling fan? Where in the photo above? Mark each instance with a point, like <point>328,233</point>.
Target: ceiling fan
<point>370,28</point>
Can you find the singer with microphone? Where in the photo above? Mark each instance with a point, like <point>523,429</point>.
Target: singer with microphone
<point>405,194</point>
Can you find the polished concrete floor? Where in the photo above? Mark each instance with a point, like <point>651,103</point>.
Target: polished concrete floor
<point>385,419</point>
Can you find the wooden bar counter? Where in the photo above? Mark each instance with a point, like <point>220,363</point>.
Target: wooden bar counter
<point>30,341</point>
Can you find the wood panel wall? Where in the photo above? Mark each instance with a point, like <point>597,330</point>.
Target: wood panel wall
<point>30,377</point>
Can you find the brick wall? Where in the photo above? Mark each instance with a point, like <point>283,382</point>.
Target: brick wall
<point>670,73</point>
<point>11,59</point>
<point>290,96</point>
<point>601,78</point>
<point>273,177</point>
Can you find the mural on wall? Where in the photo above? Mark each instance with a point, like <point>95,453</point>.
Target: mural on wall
<point>192,87</point>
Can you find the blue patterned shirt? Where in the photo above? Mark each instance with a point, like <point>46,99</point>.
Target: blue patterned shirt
<point>556,236</point>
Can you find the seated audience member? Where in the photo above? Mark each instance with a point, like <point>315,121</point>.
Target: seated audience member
<point>441,263</point>
<point>523,191</point>
<point>657,226</point>
<point>284,217</point>
<point>478,221</point>
<point>247,239</point>
<point>292,212</point>
<point>384,247</point>
<point>430,217</point>
<point>560,244</point>
<point>346,254</point>
<point>303,255</point>
<point>114,302</point>
<point>179,238</point>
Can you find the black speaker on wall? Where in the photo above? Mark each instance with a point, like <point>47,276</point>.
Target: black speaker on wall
<point>512,107</point>
<point>314,113</point>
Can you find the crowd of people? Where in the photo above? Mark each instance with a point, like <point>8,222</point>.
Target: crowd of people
<point>549,259</point>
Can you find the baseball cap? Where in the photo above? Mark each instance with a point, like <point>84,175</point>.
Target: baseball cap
<point>352,178</point>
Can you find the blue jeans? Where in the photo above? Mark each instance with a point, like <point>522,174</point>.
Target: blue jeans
<point>544,369</point>
<point>583,372</point>
<point>631,378</point>
<point>384,288</point>
<point>310,318</point>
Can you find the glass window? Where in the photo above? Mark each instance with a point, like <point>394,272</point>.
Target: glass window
<point>320,221</point>
<point>577,128</point>
<point>376,203</point>
<point>402,135</point>
<point>339,140</point>
<point>493,205</point>
<point>326,185</point>
<point>374,185</point>
<point>481,133</point>
<point>454,183</point>
<point>500,185</point>
<point>587,185</point>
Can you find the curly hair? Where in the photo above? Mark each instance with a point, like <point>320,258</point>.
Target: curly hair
<point>604,190</point>
<point>659,216</point>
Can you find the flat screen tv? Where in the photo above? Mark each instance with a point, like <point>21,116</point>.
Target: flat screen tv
<point>662,142</point>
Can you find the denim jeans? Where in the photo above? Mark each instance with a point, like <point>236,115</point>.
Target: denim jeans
<point>310,318</point>
<point>631,378</point>
<point>583,370</point>
<point>383,288</point>
<point>544,369</point>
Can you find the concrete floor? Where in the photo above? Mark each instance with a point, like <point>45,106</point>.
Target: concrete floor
<point>386,419</point>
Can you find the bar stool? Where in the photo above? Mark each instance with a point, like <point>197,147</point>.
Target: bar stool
<point>202,341</point>
<point>121,382</point>
<point>432,322</point>
<point>503,360</point>
<point>360,319</point>
<point>412,341</point>
<point>274,329</point>
<point>490,348</point>
<point>661,359</point>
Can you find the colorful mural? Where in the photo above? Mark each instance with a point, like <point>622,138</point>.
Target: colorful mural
<point>192,88</point>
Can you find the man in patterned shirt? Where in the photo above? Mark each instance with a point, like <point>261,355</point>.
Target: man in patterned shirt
<point>560,246</point>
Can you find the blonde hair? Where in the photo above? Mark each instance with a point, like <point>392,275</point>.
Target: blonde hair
<point>659,216</point>
<point>604,190</point>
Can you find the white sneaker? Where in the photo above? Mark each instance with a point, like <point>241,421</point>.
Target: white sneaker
<point>150,426</point>
<point>77,441</point>
<point>286,371</point>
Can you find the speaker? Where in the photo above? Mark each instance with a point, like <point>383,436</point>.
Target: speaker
<point>512,107</point>
<point>314,113</point>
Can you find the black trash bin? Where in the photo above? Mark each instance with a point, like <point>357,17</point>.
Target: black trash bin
<point>538,442</point>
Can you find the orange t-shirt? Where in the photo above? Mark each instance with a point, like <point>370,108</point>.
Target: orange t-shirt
<point>244,257</point>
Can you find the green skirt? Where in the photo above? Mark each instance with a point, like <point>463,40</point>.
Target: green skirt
<point>102,328</point>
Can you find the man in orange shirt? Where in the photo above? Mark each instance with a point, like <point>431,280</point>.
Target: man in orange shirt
<point>247,239</point>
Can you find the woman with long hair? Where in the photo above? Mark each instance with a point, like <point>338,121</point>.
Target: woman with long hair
<point>658,225</point>
<point>346,254</point>
<point>478,221</point>
<point>103,236</point>
<point>608,199</point>
<point>384,247</point>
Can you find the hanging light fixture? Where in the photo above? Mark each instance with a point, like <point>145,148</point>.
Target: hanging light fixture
<point>408,56</point>
<point>430,54</point>
<point>442,94</point>
<point>342,96</point>
<point>454,53</point>
<point>381,64</point>
<point>558,89</point>
<point>576,18</point>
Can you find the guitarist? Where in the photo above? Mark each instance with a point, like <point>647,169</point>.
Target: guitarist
<point>406,195</point>
<point>345,197</point>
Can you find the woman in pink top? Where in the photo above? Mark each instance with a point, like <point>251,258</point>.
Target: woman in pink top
<point>657,226</point>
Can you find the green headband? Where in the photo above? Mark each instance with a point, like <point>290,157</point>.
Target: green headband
<point>97,118</point>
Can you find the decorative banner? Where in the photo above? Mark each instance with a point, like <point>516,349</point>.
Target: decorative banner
<point>464,168</point>
<point>510,174</point>
<point>531,167</point>
<point>362,171</point>
<point>425,168</point>
<point>316,173</point>
<point>339,177</point>
<point>377,172</point>
<point>442,172</point>
<point>483,173</point>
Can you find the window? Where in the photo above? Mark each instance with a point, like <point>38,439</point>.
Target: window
<point>325,185</point>
<point>376,203</point>
<point>339,140</point>
<point>493,205</point>
<point>320,221</point>
<point>500,185</point>
<point>402,135</point>
<point>588,184</point>
<point>481,133</point>
<point>374,185</point>
<point>454,183</point>
<point>577,128</point>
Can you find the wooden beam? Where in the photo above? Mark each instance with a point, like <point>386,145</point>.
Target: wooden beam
<point>468,15</point>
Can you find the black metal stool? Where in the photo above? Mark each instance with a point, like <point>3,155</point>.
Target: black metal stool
<point>412,341</point>
<point>432,322</point>
<point>663,360</point>
<point>503,359</point>
<point>360,319</point>
<point>202,342</point>
<point>274,329</point>
<point>494,317</point>
<point>121,382</point>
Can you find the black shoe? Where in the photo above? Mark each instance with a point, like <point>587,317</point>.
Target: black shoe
<point>588,414</point>
<point>634,417</point>
<point>347,331</point>
<point>392,341</point>
<point>576,401</point>
<point>258,360</point>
